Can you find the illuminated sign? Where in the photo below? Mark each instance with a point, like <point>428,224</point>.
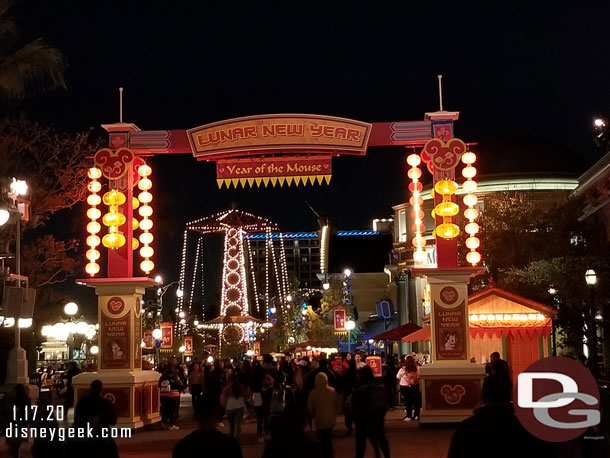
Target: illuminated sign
<point>279,132</point>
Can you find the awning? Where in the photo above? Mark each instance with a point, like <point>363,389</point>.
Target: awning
<point>422,335</point>
<point>398,332</point>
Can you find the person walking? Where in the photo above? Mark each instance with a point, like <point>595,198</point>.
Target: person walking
<point>216,443</point>
<point>215,383</point>
<point>408,375</point>
<point>196,382</point>
<point>95,412</point>
<point>170,386</point>
<point>370,407</point>
<point>349,384</point>
<point>259,384</point>
<point>233,399</point>
<point>323,408</point>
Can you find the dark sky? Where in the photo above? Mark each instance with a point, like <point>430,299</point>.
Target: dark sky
<point>527,81</point>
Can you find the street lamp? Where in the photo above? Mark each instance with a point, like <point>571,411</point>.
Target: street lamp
<point>157,335</point>
<point>4,215</point>
<point>591,280</point>
<point>158,279</point>
<point>349,325</point>
<point>599,122</point>
<point>94,350</point>
<point>347,272</point>
<point>71,308</point>
<point>325,286</point>
<point>182,349</point>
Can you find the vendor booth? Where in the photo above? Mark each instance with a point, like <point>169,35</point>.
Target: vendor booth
<point>517,328</point>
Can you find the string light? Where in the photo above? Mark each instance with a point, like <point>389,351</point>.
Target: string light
<point>471,213</point>
<point>181,280</point>
<point>417,214</point>
<point>253,274</point>
<point>145,224</point>
<point>93,227</point>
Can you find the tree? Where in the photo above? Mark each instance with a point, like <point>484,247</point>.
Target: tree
<point>533,243</point>
<point>47,261</point>
<point>54,163</point>
<point>320,322</point>
<point>26,68</point>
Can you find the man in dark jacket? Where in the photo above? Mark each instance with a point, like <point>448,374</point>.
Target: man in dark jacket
<point>370,405</point>
<point>97,412</point>
<point>494,430</point>
<point>215,444</point>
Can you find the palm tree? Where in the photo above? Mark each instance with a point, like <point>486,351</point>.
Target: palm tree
<point>26,69</point>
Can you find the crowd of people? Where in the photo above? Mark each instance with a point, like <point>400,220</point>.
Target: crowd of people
<point>287,397</point>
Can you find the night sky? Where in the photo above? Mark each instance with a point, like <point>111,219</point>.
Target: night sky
<point>527,83</point>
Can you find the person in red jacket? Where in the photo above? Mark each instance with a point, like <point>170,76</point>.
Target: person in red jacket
<point>170,386</point>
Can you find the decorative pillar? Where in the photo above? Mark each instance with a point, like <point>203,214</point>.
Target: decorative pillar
<point>402,307</point>
<point>451,384</point>
<point>132,391</point>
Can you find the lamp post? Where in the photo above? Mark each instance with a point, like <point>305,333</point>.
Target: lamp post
<point>70,309</point>
<point>182,349</point>
<point>19,206</point>
<point>591,280</point>
<point>157,335</point>
<point>349,325</point>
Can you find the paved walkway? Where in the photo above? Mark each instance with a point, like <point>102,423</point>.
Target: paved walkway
<point>406,439</point>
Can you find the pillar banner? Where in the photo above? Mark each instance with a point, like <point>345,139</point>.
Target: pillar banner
<point>374,362</point>
<point>137,338</point>
<point>450,322</point>
<point>115,334</point>
<point>149,341</point>
<point>188,346</point>
<point>167,335</point>
<point>339,318</point>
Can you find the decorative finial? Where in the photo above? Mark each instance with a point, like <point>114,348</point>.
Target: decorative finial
<point>120,104</point>
<point>440,91</point>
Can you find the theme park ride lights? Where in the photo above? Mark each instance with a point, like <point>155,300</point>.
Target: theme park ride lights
<point>508,317</point>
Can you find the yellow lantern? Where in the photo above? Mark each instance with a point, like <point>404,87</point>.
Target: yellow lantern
<point>113,241</point>
<point>469,158</point>
<point>473,243</point>
<point>471,213</point>
<point>414,173</point>
<point>94,213</point>
<point>135,203</point>
<point>446,187</point>
<point>146,238</point>
<point>447,230</point>
<point>147,251</point>
<point>146,224</point>
<point>419,256</point>
<point>92,268</point>
<point>145,211</point>
<point>93,227</point>
<point>470,186</point>
<point>92,254</point>
<point>93,241</point>
<point>470,200</point>
<point>145,197</point>
<point>447,209</point>
<point>147,266</point>
<point>473,257</point>
<point>144,170</point>
<point>134,244</point>
<point>413,160</point>
<point>145,184</point>
<point>94,199</point>
<point>94,186</point>
<point>135,224</point>
<point>94,173</point>
<point>114,197</point>
<point>114,219</point>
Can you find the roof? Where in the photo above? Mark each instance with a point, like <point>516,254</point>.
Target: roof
<point>422,335</point>
<point>595,173</point>
<point>495,291</point>
<point>398,332</point>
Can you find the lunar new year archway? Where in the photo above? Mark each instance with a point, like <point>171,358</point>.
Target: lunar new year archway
<point>265,150</point>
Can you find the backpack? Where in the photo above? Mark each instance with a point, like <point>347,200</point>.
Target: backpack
<point>278,401</point>
<point>166,386</point>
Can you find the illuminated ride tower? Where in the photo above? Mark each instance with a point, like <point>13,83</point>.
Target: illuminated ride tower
<point>234,323</point>
<point>120,199</point>
<point>451,384</point>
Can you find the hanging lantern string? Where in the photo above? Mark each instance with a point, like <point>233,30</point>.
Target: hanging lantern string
<point>471,213</point>
<point>417,214</point>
